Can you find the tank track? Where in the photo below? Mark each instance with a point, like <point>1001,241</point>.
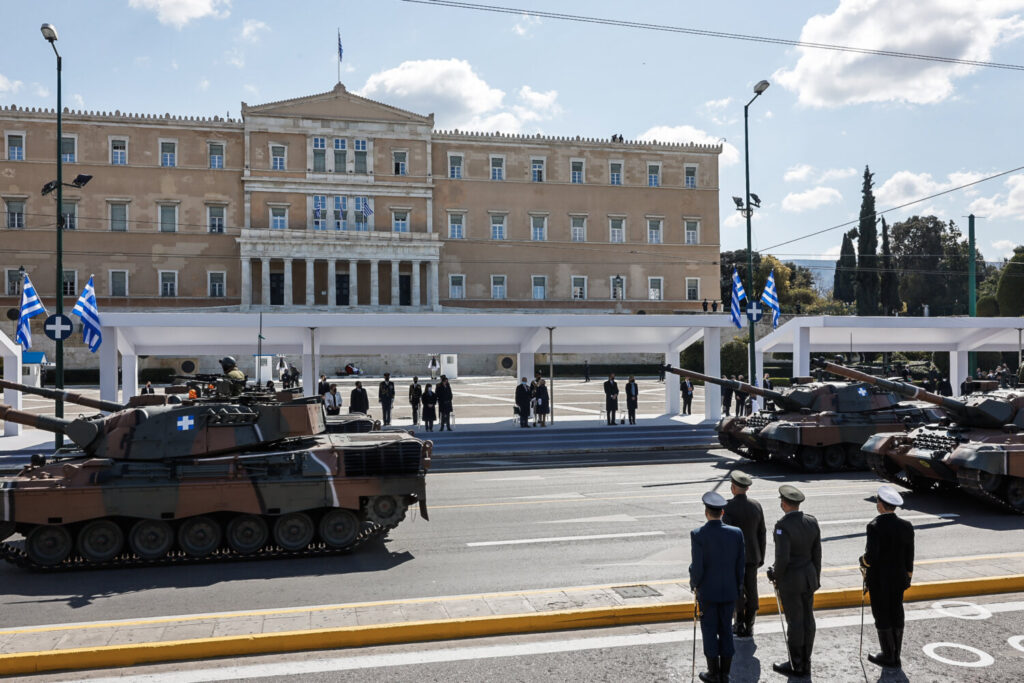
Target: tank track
<point>876,463</point>
<point>969,480</point>
<point>17,556</point>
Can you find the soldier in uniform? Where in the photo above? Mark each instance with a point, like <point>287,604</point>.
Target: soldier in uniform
<point>386,396</point>
<point>415,394</point>
<point>231,371</point>
<point>746,514</point>
<point>796,575</point>
<point>716,572</point>
<point>888,563</point>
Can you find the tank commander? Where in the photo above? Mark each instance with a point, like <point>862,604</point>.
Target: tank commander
<point>232,373</point>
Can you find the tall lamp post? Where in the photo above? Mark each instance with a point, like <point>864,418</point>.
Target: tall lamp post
<point>747,211</point>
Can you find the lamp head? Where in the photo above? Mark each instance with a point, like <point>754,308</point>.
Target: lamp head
<point>755,200</point>
<point>739,203</point>
<point>49,32</point>
<point>761,87</point>
<point>81,180</point>
<point>49,187</point>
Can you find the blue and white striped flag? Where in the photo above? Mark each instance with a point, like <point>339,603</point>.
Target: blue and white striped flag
<point>738,295</point>
<point>341,52</point>
<point>86,309</point>
<point>367,211</point>
<point>31,306</point>
<point>770,298</point>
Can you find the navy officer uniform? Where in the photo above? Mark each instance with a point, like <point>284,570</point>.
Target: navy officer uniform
<point>746,514</point>
<point>716,573</point>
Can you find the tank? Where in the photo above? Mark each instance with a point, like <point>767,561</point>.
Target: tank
<point>977,447</point>
<point>814,425</point>
<point>168,481</point>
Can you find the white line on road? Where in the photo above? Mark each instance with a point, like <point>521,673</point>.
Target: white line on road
<point>560,539</point>
<point>945,516</point>
<point>589,520</point>
<point>514,479</point>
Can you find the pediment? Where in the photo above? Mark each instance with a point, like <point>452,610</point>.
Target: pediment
<point>338,104</point>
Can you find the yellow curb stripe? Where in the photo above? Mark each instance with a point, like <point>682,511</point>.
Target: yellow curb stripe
<point>383,634</point>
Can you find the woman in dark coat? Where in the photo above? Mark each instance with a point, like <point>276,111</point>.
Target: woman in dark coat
<point>358,401</point>
<point>444,403</point>
<point>540,395</point>
<point>429,401</point>
<point>632,398</point>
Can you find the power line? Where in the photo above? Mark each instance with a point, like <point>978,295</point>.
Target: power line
<point>715,34</point>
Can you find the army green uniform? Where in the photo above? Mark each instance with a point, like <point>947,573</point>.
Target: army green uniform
<point>797,573</point>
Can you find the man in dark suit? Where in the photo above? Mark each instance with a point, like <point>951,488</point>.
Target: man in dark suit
<point>323,386</point>
<point>148,389</point>
<point>523,402</point>
<point>358,401</point>
<point>386,396</point>
<point>888,563</point>
<point>632,399</point>
<point>716,572</point>
<point>796,575</point>
<point>686,387</point>
<point>415,394</point>
<point>611,398</point>
<point>727,398</point>
<point>445,404</point>
<point>747,515</point>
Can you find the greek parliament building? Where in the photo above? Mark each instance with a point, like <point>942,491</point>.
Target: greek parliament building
<point>337,202</point>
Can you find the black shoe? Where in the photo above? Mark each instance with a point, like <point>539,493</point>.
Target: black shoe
<point>784,668</point>
<point>711,675</point>
<point>724,664</point>
<point>887,656</point>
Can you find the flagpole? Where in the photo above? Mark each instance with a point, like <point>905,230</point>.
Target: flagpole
<point>259,353</point>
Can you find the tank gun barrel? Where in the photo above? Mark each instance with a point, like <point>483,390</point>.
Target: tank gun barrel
<point>67,396</point>
<point>731,383</point>
<point>49,424</point>
<point>901,388</point>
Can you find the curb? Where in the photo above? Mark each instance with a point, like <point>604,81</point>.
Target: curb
<point>440,455</point>
<point>112,656</point>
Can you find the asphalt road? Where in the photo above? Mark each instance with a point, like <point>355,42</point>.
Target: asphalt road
<point>493,528</point>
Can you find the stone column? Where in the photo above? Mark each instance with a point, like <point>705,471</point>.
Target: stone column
<point>958,370</point>
<point>802,352</point>
<point>332,283</point>
<point>246,283</point>
<point>712,367</point>
<point>432,283</point>
<point>353,283</point>
<point>288,282</point>
<point>12,373</point>
<point>108,364</point>
<point>524,366</point>
<point>672,395</point>
<point>265,281</point>
<point>310,282</point>
<point>394,282</point>
<point>416,302</point>
<point>129,376</point>
<point>374,284</point>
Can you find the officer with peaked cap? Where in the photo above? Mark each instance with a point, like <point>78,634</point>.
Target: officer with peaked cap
<point>746,514</point>
<point>796,575</point>
<point>888,565</point>
<point>716,574</point>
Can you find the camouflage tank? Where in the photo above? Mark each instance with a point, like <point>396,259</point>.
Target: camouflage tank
<point>171,481</point>
<point>815,425</point>
<point>978,446</point>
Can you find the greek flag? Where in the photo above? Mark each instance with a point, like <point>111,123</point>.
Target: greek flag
<point>738,295</point>
<point>341,52</point>
<point>770,298</point>
<point>367,211</point>
<point>31,306</point>
<point>85,309</point>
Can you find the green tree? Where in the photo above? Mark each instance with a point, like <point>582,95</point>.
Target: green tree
<point>1010,293</point>
<point>917,247</point>
<point>738,260</point>
<point>867,248</point>
<point>988,307</point>
<point>889,286</point>
<point>846,266</point>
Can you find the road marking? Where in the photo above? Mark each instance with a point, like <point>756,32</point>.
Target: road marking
<point>949,608</point>
<point>588,520</point>
<point>983,658</point>
<point>515,479</point>
<point>560,539</point>
<point>944,516</point>
<point>545,496</point>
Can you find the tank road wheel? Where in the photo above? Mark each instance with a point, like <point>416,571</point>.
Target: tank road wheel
<point>759,455</point>
<point>199,536</point>
<point>1015,494</point>
<point>339,528</point>
<point>246,534</point>
<point>834,457</point>
<point>989,482</point>
<point>48,545</point>
<point>810,458</point>
<point>100,540</point>
<point>294,531</point>
<point>856,459</point>
<point>385,510</point>
<point>151,539</point>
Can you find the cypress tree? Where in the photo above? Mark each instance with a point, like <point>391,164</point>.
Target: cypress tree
<point>867,288</point>
<point>846,266</point>
<point>890,281</point>
<point>1010,292</point>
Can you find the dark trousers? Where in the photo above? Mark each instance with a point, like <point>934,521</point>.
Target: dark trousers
<point>886,604</point>
<point>799,609</point>
<point>385,411</point>
<point>726,403</point>
<point>632,415</point>
<point>415,413</point>
<point>687,404</point>
<point>746,605</point>
<point>611,416</point>
<point>524,416</point>
<point>716,628</point>
<point>446,420</point>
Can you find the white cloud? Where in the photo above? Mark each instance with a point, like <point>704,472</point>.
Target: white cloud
<point>905,186</point>
<point>253,29</point>
<point>525,23</point>
<point>803,172</point>
<point>718,104</point>
<point>40,90</point>
<point>832,252</point>
<point>177,13</point>
<point>962,30</point>
<point>1004,248</point>
<point>730,155</point>
<point>174,64</point>
<point>251,89</point>
<point>9,87</point>
<point>1010,205</point>
<point>814,198</point>
<point>798,173</point>
<point>768,114</point>
<point>719,112</point>
<point>736,220</point>
<point>235,57</point>
<point>836,174</point>
<point>204,85</point>
<point>78,100</point>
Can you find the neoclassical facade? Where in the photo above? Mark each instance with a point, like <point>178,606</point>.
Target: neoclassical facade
<point>334,201</point>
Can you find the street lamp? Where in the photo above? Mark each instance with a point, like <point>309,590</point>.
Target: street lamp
<point>753,201</point>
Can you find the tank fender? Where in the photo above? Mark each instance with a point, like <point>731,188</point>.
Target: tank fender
<point>980,456</point>
<point>783,432</point>
<point>877,443</point>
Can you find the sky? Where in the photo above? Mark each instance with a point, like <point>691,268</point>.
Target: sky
<point>923,127</point>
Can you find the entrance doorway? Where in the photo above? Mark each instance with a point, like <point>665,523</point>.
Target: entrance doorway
<point>277,289</point>
<point>341,289</point>
<point>405,290</point>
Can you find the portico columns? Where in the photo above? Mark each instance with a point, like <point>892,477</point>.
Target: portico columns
<point>672,394</point>
<point>353,283</point>
<point>416,283</point>
<point>394,282</point>
<point>288,282</point>
<point>958,370</point>
<point>129,376</point>
<point>310,289</point>
<point>374,284</point>
<point>433,296</point>
<point>524,364</point>
<point>265,281</point>
<point>332,283</point>
<point>802,352</point>
<point>712,367</point>
<point>246,283</point>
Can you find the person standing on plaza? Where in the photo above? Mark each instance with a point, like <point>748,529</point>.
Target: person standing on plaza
<point>433,366</point>
<point>542,401</point>
<point>632,398</point>
<point>746,514</point>
<point>148,389</point>
<point>686,387</point>
<point>386,396</point>
<point>727,398</point>
<point>429,407</point>
<point>415,395</point>
<point>888,566</point>
<point>741,400</point>
<point>523,400</point>
<point>796,575</point>
<point>716,573</point>
<point>611,398</point>
<point>586,370</point>
<point>358,401</point>
<point>323,386</point>
<point>332,401</point>
<point>445,403</point>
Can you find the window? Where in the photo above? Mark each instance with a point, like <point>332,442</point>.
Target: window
<point>118,217</point>
<point>69,213</point>
<point>361,214</point>
<point>168,283</point>
<point>400,221</point>
<point>497,227</point>
<point>690,177</point>
<point>67,149</point>
<point>579,287</point>
<point>456,286</point>
<point>341,213</point>
<point>576,172</point>
<point>456,226</point>
<point>615,173</point>
<point>216,154</point>
<point>13,282</point>
<point>497,168</point>
<point>617,230</point>
<point>399,162</point>
<point>319,155</point>
<point>455,166</point>
<point>15,148</point>
<point>278,217</point>
<point>277,157</point>
<point>653,175</point>
<point>578,229</point>
<point>498,287</point>
<point>168,153</point>
<point>215,218</point>
<point>119,283</point>
<point>655,288</point>
<point>69,287</point>
<point>361,165</point>
<point>538,228</point>
<point>15,214</point>
<point>168,218</point>
<point>340,155</point>
<point>692,289</point>
<point>692,232</point>
<point>540,287</point>
<point>118,152</point>
<point>618,287</point>
<point>654,231</point>
<point>537,170</point>
<point>215,284</point>
<point>319,212</point>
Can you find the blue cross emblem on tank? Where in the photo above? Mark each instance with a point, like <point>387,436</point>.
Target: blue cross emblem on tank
<point>186,423</point>
<point>863,391</point>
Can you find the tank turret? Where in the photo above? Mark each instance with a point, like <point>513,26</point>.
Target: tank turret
<point>779,398</point>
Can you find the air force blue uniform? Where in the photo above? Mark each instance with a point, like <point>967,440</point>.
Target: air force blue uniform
<point>716,573</point>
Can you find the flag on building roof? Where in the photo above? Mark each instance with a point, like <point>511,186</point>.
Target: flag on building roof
<point>367,211</point>
<point>738,295</point>
<point>86,309</point>
<point>341,52</point>
<point>31,306</point>
<point>770,298</point>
